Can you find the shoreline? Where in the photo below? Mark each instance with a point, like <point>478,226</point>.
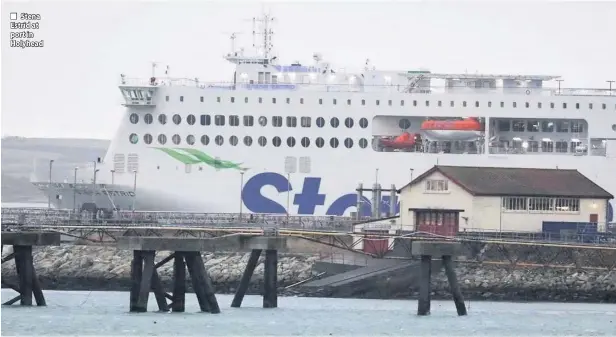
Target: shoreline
<point>98,268</point>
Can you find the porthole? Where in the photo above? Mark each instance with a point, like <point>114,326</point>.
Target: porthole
<point>363,123</point>
<point>305,141</point>
<point>334,122</point>
<point>219,140</point>
<point>162,139</point>
<point>247,140</point>
<point>233,140</point>
<point>276,141</point>
<point>190,119</point>
<point>363,143</point>
<point>176,139</point>
<point>177,119</point>
<point>290,142</point>
<point>134,118</point>
<point>320,122</point>
<point>133,138</point>
<point>148,119</point>
<point>263,121</point>
<point>205,140</point>
<point>404,123</point>
<point>190,139</point>
<point>348,122</point>
<point>614,127</point>
<point>348,142</point>
<point>262,141</point>
<point>162,119</point>
<point>319,142</point>
<point>147,138</point>
<point>333,142</point>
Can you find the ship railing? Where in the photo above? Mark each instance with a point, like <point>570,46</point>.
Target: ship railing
<point>581,150</point>
<point>345,87</point>
<point>583,234</point>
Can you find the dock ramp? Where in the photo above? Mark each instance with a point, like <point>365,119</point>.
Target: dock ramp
<point>361,274</point>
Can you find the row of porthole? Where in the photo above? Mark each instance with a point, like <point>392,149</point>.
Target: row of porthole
<point>248,141</point>
<point>234,120</point>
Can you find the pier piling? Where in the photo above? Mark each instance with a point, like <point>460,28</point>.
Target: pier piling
<point>426,250</point>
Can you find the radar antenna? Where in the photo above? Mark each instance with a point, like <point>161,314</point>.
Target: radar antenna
<point>262,26</point>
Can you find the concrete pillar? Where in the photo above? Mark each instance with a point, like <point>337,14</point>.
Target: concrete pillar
<point>245,281</point>
<point>270,279</point>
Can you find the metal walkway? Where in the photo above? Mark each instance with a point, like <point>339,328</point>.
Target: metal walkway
<point>387,266</point>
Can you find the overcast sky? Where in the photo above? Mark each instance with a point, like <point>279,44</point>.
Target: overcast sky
<point>68,88</point>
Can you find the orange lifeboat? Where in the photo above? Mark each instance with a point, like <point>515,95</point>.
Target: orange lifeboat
<point>451,130</point>
<point>404,141</point>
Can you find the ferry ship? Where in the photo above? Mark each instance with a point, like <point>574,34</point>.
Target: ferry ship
<point>299,138</point>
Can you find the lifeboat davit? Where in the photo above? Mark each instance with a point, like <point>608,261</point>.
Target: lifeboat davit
<point>404,141</point>
<point>461,130</point>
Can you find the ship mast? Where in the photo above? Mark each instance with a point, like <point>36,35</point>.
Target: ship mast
<point>262,26</point>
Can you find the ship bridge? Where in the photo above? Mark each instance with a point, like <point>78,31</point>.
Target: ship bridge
<point>139,93</point>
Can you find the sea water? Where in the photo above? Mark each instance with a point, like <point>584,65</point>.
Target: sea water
<point>106,313</point>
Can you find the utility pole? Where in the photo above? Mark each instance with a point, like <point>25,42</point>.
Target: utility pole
<point>49,193</point>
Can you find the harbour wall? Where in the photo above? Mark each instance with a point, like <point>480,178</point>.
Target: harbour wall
<point>492,274</point>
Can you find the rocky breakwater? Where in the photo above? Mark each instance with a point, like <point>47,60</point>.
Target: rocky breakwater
<point>107,268</point>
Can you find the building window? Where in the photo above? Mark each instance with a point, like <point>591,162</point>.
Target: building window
<point>434,185</point>
<point>566,205</point>
<point>515,203</point>
<point>540,204</point>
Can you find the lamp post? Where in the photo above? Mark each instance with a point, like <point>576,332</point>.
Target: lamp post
<point>49,193</point>
<point>75,190</point>
<point>112,176</point>
<point>94,183</point>
<point>241,189</point>
<point>134,189</point>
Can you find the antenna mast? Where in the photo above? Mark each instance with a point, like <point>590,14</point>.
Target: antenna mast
<point>265,29</point>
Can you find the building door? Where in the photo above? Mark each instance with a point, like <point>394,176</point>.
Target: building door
<point>594,218</point>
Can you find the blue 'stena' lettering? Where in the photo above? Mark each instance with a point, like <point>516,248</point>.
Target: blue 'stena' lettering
<point>306,201</point>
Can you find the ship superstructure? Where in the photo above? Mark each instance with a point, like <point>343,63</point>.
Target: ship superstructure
<point>298,138</point>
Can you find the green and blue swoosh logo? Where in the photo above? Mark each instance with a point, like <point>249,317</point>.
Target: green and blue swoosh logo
<point>194,156</point>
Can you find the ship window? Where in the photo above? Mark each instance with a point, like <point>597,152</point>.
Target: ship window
<point>604,106</point>
<point>564,105</point>
<point>348,142</point>
<point>574,146</point>
<point>577,127</point>
<point>464,103</point>
<point>167,98</point>
<point>515,104</point>
<point>262,141</point>
<point>552,105</point>
<point>363,143</point>
<point>134,118</point>
<point>232,99</point>
<point>260,100</point>
<point>305,122</point>
<point>440,104</point>
<point>547,126</point>
<point>590,106</point>
<point>502,104</point>
<point>206,120</point>
<point>333,142</point>
<point>263,121</point>
<point>348,122</point>
<point>577,105</point>
<point>533,146</point>
<point>133,138</point>
<point>334,122</point>
<point>190,119</point>
<point>205,139</point>
<point>539,105</point>
<point>378,102</point>
<point>414,102</point>
<point>162,119</point>
<point>288,100</point>
<point>201,98</point>
<point>334,100</point>
<point>363,102</point>
<point>547,146</point>
<point>527,105</point>
<point>181,98</point>
<point>147,138</point>
<point>233,140</point>
<point>427,103</point>
<point>452,103</point>
<point>176,139</point>
<point>291,122</point>
<point>219,140</point>
<point>348,102</point>
<point>148,119</point>
<point>401,102</point>
<point>562,126</point>
<point>234,120</point>
<point>476,104</point>
<point>245,99</point>
<point>404,123</point>
<point>301,101</point>
<point>162,139</point>
<point>533,126</point>
<point>389,102</point>
<point>319,142</point>
<point>320,101</point>
<point>489,104</point>
<point>504,125</point>
<point>320,122</point>
<point>517,125</point>
<point>277,121</point>
<point>363,123</point>
<point>249,121</point>
<point>305,141</point>
<point>177,119</point>
<point>190,139</point>
<point>276,141</point>
<point>561,146</point>
<point>247,140</point>
<point>273,100</point>
<point>219,120</point>
<point>290,142</point>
